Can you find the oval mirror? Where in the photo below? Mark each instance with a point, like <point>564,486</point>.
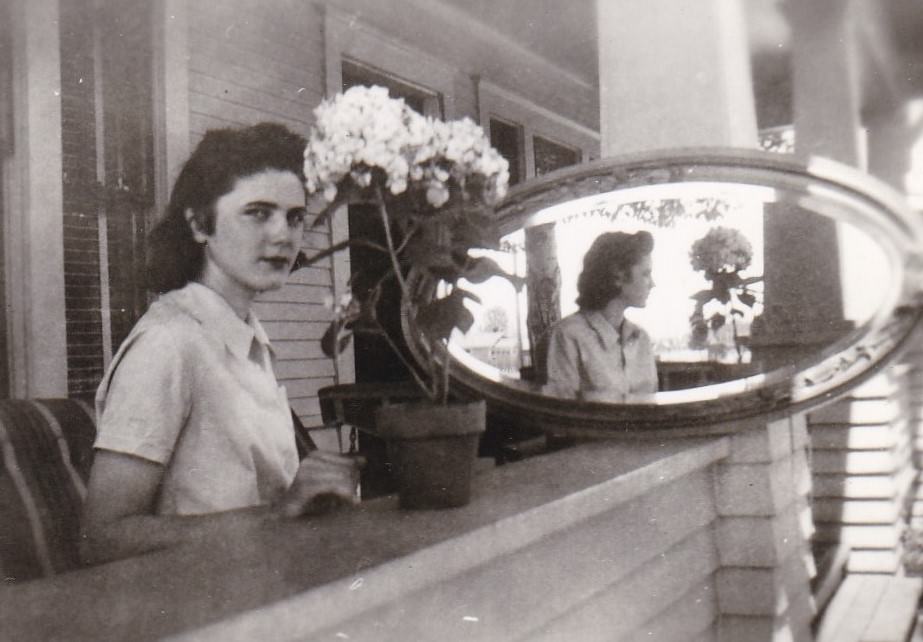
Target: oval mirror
<point>777,285</point>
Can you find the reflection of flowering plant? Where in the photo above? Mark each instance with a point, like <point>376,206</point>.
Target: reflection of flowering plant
<point>722,249</point>
<point>433,184</point>
<point>722,254</point>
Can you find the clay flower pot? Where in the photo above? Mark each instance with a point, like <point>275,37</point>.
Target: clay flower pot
<point>433,449</point>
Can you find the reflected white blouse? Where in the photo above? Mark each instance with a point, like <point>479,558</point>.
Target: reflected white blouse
<point>590,359</point>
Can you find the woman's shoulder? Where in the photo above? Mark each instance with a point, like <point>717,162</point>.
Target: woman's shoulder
<point>167,322</point>
<point>574,320</point>
<point>634,332</point>
<point>573,325</point>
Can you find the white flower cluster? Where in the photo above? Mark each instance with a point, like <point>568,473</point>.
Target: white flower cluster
<point>722,249</point>
<point>363,136</point>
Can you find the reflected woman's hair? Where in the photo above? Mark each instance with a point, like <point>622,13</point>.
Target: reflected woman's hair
<point>612,253</point>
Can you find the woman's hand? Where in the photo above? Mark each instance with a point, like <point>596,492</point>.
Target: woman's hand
<point>324,481</point>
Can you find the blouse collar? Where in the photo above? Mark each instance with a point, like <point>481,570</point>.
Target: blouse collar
<point>608,335</point>
<point>211,310</point>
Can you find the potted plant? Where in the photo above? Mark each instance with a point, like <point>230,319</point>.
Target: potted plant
<point>722,254</point>
<point>432,184</point>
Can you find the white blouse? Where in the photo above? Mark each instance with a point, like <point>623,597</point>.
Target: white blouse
<point>192,388</point>
<point>590,359</point>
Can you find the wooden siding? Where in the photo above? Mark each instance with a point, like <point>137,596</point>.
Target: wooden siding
<point>863,470</point>
<point>643,569</point>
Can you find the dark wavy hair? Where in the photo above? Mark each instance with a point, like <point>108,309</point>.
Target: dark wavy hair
<point>612,253</point>
<point>222,157</point>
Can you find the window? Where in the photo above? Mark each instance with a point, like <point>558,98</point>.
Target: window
<point>532,138</point>
<point>508,140</point>
<point>550,156</point>
<point>108,168</point>
<point>416,98</point>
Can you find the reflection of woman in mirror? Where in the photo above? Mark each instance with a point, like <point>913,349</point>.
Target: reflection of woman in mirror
<point>596,353</point>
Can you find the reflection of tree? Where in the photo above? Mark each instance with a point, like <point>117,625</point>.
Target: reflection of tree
<point>659,212</point>
<point>544,283</point>
<point>496,320</point>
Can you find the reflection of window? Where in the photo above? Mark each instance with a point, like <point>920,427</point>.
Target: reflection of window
<point>508,140</point>
<point>550,156</point>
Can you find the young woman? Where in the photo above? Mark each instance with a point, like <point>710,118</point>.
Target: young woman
<point>596,353</point>
<point>194,431</point>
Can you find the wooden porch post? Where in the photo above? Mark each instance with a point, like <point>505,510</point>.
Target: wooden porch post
<point>34,209</point>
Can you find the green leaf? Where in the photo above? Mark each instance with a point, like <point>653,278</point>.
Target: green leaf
<point>334,342</point>
<point>475,230</point>
<point>439,317</point>
<point>428,256</point>
<point>717,321</point>
<point>747,299</point>
<point>481,269</point>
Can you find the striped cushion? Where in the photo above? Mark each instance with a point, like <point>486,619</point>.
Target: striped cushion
<point>46,450</point>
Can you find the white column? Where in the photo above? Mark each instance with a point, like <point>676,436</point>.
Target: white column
<point>34,242</point>
<point>674,73</point>
<point>825,73</point>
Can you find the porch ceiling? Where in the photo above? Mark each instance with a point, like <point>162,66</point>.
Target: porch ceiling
<point>566,34</point>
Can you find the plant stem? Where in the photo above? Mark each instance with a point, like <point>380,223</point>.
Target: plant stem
<point>445,374</point>
<point>740,354</point>
<point>431,390</point>
<point>390,240</point>
<point>410,368</point>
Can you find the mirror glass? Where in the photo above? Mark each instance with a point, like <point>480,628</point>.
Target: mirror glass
<point>769,278</point>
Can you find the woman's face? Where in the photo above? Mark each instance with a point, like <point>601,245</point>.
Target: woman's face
<point>257,234</point>
<point>637,285</point>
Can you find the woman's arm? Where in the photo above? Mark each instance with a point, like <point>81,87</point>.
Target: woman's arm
<point>119,519</point>
<point>562,364</point>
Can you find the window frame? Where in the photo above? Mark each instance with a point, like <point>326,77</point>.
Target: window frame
<point>495,102</point>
